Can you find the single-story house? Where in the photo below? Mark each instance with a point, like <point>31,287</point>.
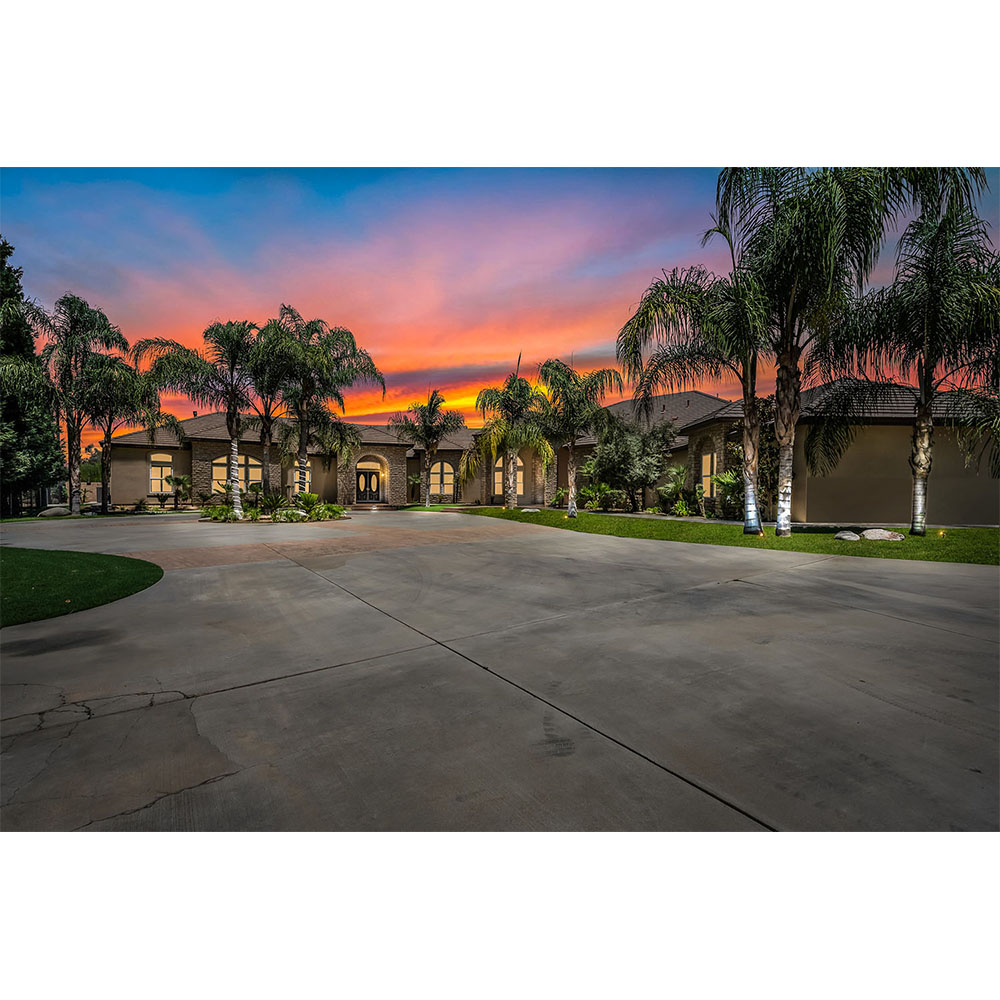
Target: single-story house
<point>872,482</point>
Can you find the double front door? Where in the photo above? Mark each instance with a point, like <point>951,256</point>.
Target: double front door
<point>368,486</point>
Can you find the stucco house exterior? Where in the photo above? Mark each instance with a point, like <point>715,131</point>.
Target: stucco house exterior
<point>872,482</point>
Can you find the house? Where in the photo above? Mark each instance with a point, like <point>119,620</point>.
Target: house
<point>872,482</point>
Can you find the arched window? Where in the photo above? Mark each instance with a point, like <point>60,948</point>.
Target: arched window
<point>293,478</point>
<point>707,471</point>
<point>161,465</point>
<point>443,479</point>
<point>499,486</point>
<point>251,471</point>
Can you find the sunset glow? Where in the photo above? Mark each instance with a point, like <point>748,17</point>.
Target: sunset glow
<point>444,276</point>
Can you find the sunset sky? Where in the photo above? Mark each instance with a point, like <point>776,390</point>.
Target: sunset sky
<point>444,276</point>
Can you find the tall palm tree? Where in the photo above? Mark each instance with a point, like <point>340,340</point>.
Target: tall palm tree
<point>119,395</point>
<point>269,371</point>
<point>813,237</point>
<point>704,326</point>
<point>424,425</point>
<point>938,326</point>
<point>575,409</point>
<point>217,375</point>
<point>75,333</point>
<point>322,361</point>
<point>516,415</point>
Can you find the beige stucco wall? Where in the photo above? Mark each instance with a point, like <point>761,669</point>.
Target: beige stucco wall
<point>130,471</point>
<point>873,483</point>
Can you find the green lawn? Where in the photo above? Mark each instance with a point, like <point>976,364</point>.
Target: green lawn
<point>959,545</point>
<point>44,583</point>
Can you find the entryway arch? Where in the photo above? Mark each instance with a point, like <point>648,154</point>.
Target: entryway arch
<point>371,479</point>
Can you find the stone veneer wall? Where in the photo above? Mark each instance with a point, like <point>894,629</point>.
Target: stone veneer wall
<point>712,438</point>
<point>393,461</point>
<point>203,453</point>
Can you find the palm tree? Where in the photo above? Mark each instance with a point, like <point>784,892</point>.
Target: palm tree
<point>75,332</point>
<point>937,325</point>
<point>575,409</point>
<point>269,370</point>
<point>424,425</point>
<point>119,395</point>
<point>516,415</point>
<point>218,375</point>
<point>322,361</point>
<point>182,487</point>
<point>704,327</point>
<point>812,238</point>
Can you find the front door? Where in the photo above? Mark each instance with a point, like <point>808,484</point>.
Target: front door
<point>368,486</point>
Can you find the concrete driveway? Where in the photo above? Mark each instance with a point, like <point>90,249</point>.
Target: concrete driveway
<point>416,671</point>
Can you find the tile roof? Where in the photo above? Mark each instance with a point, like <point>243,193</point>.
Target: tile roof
<point>682,408</point>
<point>212,427</point>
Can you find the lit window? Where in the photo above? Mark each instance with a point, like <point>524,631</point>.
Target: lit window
<point>443,479</point>
<point>251,471</point>
<point>499,486</point>
<point>707,471</point>
<point>161,465</point>
<point>293,478</point>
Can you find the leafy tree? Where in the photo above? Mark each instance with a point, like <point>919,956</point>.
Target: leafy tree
<point>30,453</point>
<point>182,487</point>
<point>322,361</point>
<point>938,326</point>
<point>575,409</point>
<point>812,238</point>
<point>218,375</point>
<point>516,415</point>
<point>424,425</point>
<point>631,457</point>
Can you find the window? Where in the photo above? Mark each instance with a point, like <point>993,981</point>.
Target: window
<point>707,471</point>
<point>161,465</point>
<point>293,478</point>
<point>499,486</point>
<point>443,479</point>
<point>251,471</point>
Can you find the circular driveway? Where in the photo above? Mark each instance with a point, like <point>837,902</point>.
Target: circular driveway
<point>417,671</point>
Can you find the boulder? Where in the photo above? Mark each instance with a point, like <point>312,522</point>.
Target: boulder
<point>530,510</point>
<point>55,512</point>
<point>847,536</point>
<point>881,535</point>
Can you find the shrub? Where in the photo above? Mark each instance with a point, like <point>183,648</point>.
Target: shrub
<point>729,493</point>
<point>600,496</point>
<point>162,498</point>
<point>673,486</point>
<point>681,508</point>
<point>252,513</point>
<point>557,498</point>
<point>306,501</point>
<point>140,505</point>
<point>288,514</point>
<point>326,512</point>
<point>271,502</point>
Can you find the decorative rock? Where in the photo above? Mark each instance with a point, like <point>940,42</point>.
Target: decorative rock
<point>55,512</point>
<point>848,536</point>
<point>530,510</point>
<point>881,535</point>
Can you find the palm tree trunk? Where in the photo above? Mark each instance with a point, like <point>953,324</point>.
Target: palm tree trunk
<point>106,472</point>
<point>511,497</point>
<point>73,425</point>
<point>265,475</point>
<point>920,463</point>
<point>786,415</point>
<point>571,479</point>
<point>234,475</point>
<point>427,478</point>
<point>751,456</point>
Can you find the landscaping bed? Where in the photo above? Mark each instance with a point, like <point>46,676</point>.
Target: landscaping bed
<point>957,545</point>
<point>46,583</point>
